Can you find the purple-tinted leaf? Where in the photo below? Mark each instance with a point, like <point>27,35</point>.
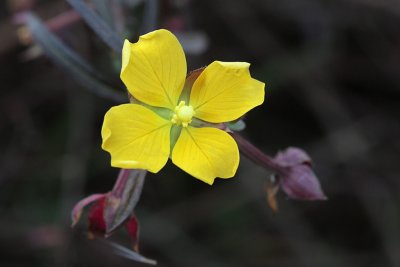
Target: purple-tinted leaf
<point>293,156</point>
<point>78,208</point>
<point>122,200</point>
<point>300,182</point>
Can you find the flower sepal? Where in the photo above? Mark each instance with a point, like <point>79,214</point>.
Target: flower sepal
<point>237,125</point>
<point>114,209</point>
<point>298,180</point>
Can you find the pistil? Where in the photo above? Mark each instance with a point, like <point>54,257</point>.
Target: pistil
<point>183,114</point>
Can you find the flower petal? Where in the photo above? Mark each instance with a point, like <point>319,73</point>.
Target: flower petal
<point>154,68</point>
<point>225,91</point>
<point>206,153</point>
<point>136,137</point>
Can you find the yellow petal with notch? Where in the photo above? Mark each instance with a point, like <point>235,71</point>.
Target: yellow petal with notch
<point>136,138</point>
<point>225,91</point>
<point>206,153</point>
<point>154,68</point>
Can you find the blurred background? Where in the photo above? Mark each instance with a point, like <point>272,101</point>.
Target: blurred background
<point>333,88</point>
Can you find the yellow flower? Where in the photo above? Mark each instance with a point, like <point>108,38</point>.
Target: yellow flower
<point>167,116</point>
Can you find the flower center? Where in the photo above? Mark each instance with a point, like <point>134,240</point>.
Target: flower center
<point>183,114</point>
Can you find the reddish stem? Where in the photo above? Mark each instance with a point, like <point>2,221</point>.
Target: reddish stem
<point>256,155</point>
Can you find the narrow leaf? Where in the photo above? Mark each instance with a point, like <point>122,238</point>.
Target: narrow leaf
<point>130,254</point>
<point>104,9</point>
<point>102,29</point>
<point>150,16</point>
<point>65,57</point>
<point>43,35</point>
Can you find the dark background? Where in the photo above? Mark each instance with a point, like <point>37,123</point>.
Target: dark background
<point>333,88</point>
